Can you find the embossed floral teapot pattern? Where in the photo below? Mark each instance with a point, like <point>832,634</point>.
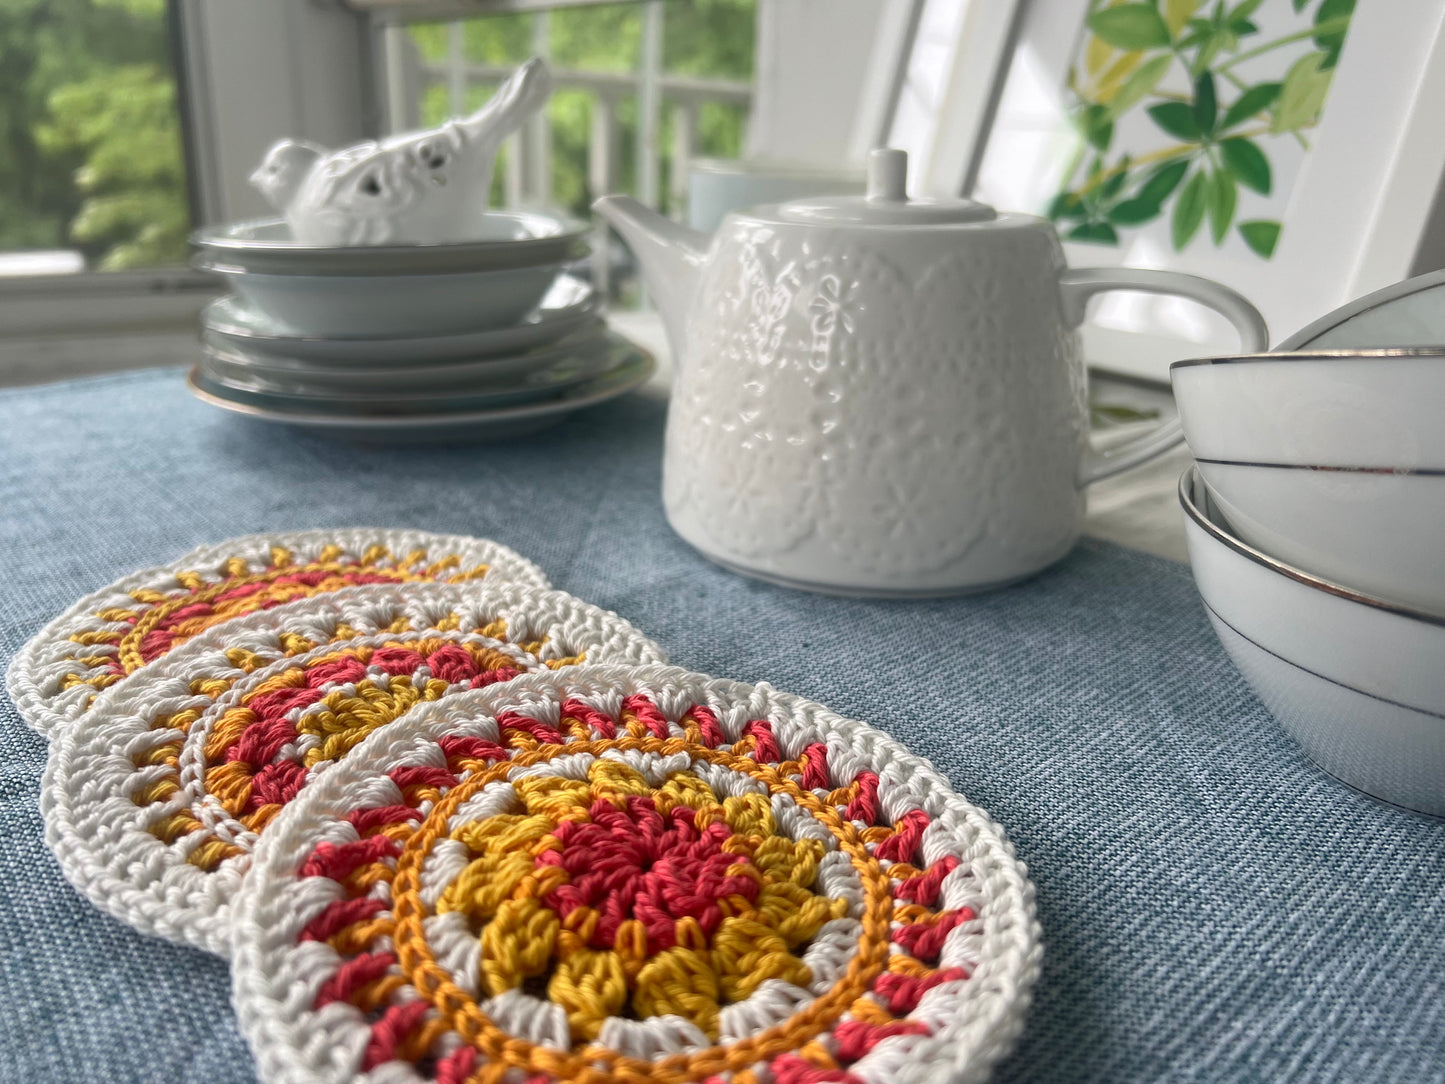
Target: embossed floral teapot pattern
<point>877,395</point>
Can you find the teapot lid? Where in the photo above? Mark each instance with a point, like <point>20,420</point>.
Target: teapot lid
<point>886,203</point>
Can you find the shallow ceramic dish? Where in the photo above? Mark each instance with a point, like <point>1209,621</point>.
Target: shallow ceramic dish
<point>1409,313</point>
<point>517,239</point>
<point>1380,532</point>
<point>450,386</point>
<point>391,305</point>
<point>1357,681</point>
<point>569,306</point>
<point>1374,410</point>
<point>633,369</point>
<point>588,346</point>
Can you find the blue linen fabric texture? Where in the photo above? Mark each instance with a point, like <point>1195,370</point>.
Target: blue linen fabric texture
<point>1213,907</point>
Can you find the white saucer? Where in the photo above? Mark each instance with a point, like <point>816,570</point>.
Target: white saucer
<point>569,305</point>
<point>574,358</point>
<point>632,370</point>
<point>1409,313</point>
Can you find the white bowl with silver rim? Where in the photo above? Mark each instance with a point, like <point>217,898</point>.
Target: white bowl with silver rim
<point>569,307</point>
<point>390,305</point>
<point>511,239</point>
<point>1357,681</point>
<point>1331,460</point>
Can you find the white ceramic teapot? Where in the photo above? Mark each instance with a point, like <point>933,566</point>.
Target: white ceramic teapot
<point>426,187</point>
<point>877,395</point>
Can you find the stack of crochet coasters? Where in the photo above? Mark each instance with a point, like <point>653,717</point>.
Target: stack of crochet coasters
<point>451,825</point>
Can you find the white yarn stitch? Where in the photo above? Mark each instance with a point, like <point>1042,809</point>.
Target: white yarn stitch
<point>100,836</point>
<point>977,1020</point>
<point>48,658</point>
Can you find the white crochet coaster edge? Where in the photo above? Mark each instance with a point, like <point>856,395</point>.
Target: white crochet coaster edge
<point>25,675</point>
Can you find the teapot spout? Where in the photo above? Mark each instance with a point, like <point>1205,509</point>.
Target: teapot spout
<point>671,255</point>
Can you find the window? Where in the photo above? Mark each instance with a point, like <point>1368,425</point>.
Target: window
<point>641,89</point>
<point>92,175</point>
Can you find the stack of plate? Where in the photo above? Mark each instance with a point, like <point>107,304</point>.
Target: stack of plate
<point>480,338</point>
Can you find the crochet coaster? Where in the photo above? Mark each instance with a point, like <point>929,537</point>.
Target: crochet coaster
<point>153,804</point>
<point>611,874</point>
<point>119,629</point>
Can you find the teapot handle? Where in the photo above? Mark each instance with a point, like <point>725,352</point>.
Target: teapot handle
<point>1076,287</point>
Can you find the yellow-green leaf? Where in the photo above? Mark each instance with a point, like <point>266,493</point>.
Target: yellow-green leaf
<point>1302,95</point>
<point>1189,210</point>
<point>1113,78</point>
<point>1139,85</point>
<point>1177,13</point>
<point>1096,55</point>
<point>1261,236</point>
<point>1130,26</point>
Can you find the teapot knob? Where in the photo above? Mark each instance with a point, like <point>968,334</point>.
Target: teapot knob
<point>887,175</point>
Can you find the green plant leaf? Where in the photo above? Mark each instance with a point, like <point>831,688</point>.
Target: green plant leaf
<point>1115,184</point>
<point>1189,210</point>
<point>1099,233</point>
<point>1300,5</point>
<point>1302,94</point>
<point>1065,205</point>
<point>1252,102</point>
<point>1247,162</point>
<point>1177,119</point>
<point>1162,182</point>
<point>1134,211</point>
<point>1130,26</point>
<point>1096,126</point>
<point>1177,14</point>
<point>1138,86</point>
<point>1261,236</point>
<point>1223,194</point>
<point>1244,10</point>
<point>1332,22</point>
<point>1206,105</point>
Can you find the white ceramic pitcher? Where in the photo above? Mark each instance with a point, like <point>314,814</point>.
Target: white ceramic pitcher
<point>877,395</point>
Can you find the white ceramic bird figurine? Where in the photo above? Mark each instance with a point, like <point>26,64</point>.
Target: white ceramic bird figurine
<point>415,188</point>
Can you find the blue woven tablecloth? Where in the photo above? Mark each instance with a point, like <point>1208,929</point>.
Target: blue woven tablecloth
<point>1213,907</point>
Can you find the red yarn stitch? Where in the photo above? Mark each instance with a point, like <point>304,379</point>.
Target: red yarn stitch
<point>925,887</point>
<point>419,775</point>
<point>707,725</point>
<point>339,862</point>
<point>815,766</point>
<point>346,670</point>
<point>761,732</point>
<point>388,1032</point>
<point>856,1037</point>
<point>352,976</point>
<point>340,914</point>
<point>902,846</point>
<point>590,717</point>
<point>791,1069</point>
<point>545,733</point>
<point>457,747</point>
<point>901,993</point>
<point>276,784</point>
<point>368,820</point>
<point>647,714</point>
<point>456,1067</point>
<point>396,661</point>
<point>492,677</point>
<point>864,806</point>
<point>924,943</point>
<point>262,740</point>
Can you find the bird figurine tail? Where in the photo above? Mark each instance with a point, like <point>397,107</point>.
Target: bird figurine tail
<point>526,91</point>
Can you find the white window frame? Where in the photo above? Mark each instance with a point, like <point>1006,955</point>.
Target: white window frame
<point>53,326</point>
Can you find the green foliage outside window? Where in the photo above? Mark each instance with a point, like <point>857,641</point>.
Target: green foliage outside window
<point>90,150</point>
<point>706,38</point>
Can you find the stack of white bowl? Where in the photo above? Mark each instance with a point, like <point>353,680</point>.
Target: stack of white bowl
<point>1316,530</point>
<point>483,338</point>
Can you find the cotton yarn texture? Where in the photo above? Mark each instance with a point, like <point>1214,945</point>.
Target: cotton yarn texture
<point>114,632</point>
<point>153,804</point>
<point>1213,907</point>
<point>609,874</point>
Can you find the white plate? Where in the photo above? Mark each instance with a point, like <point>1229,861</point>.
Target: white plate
<point>1357,681</point>
<point>568,306</point>
<point>577,358</point>
<point>1409,313</point>
<point>632,371</point>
